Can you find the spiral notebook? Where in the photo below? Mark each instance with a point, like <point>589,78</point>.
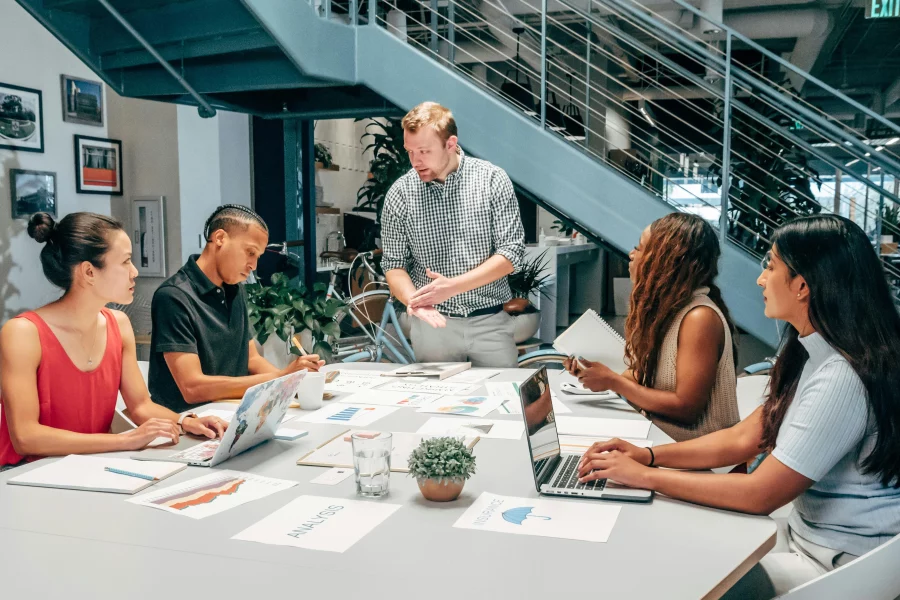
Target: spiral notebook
<point>594,339</point>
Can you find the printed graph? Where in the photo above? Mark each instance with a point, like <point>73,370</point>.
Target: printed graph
<point>201,495</point>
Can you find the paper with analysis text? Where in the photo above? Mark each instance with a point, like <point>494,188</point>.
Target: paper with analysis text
<point>213,493</point>
<point>317,523</point>
<point>428,386</point>
<point>587,521</point>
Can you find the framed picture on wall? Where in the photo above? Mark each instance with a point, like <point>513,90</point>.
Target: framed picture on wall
<point>98,166</point>
<point>31,192</point>
<point>82,101</point>
<point>148,240</point>
<point>21,119</point>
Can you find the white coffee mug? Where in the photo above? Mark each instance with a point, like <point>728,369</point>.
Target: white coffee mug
<point>312,389</point>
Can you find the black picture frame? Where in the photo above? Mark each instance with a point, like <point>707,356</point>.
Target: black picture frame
<point>31,192</point>
<point>19,114</point>
<point>82,100</point>
<point>98,166</point>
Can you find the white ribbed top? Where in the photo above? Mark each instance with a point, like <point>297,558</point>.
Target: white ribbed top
<point>722,410</point>
<point>827,432</point>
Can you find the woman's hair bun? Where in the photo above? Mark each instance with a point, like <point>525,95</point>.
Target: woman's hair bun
<point>41,226</point>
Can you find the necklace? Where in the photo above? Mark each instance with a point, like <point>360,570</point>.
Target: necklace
<point>93,345</point>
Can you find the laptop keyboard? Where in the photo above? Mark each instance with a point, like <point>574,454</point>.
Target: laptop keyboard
<point>200,452</point>
<point>567,476</point>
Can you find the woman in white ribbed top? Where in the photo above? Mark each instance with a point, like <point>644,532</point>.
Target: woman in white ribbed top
<point>679,343</point>
<point>831,422</point>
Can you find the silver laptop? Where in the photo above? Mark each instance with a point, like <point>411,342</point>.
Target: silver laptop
<point>254,422</point>
<point>556,474</point>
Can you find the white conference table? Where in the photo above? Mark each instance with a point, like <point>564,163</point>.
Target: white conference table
<point>64,543</point>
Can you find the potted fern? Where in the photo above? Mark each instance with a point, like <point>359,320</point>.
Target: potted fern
<point>441,467</point>
<point>526,284</point>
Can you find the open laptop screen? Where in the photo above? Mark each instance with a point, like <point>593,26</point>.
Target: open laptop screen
<point>537,409</point>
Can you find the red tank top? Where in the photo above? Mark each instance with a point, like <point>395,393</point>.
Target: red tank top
<point>70,398</point>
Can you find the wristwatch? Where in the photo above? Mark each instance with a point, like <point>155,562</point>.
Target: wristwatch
<point>182,417</point>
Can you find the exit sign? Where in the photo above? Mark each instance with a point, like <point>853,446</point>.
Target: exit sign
<point>882,9</point>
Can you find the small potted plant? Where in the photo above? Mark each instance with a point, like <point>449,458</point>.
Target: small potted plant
<point>526,283</point>
<point>441,467</point>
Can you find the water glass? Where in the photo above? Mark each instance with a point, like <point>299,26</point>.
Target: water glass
<point>372,463</point>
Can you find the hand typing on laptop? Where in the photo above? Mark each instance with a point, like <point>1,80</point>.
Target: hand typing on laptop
<point>211,427</point>
<point>617,460</point>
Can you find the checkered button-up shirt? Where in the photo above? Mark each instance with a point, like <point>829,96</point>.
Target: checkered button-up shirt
<point>452,228</point>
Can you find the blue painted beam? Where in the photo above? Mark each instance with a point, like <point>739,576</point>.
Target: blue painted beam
<point>249,74</point>
<point>243,42</point>
<point>198,19</point>
<point>318,47</point>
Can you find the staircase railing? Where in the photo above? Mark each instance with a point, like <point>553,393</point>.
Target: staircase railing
<point>650,94</point>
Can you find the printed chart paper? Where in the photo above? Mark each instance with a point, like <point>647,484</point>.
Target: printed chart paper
<point>426,386</point>
<point>588,426</point>
<point>317,523</point>
<point>471,406</point>
<point>514,407</point>
<point>211,494</point>
<point>355,415</point>
<point>485,428</point>
<point>338,452</point>
<point>586,521</point>
<point>507,390</point>
<point>355,381</point>
<point>380,398</point>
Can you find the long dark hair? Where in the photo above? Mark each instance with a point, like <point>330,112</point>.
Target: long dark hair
<point>78,237</point>
<point>681,256</point>
<point>850,306</point>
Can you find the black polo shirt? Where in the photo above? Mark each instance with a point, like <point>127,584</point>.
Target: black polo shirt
<point>191,314</point>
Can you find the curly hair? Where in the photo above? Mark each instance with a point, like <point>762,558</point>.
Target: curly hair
<point>681,256</point>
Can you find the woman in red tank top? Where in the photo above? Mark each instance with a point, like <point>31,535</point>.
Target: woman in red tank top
<point>62,365</point>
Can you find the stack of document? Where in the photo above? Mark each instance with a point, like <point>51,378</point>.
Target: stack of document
<point>98,474</point>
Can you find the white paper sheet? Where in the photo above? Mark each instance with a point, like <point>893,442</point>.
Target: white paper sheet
<point>514,407</point>
<point>587,426</point>
<point>427,386</point>
<point>485,428</point>
<point>351,381</point>
<point>211,494</point>
<point>380,398</point>
<point>507,390</point>
<point>88,473</point>
<point>470,406</point>
<point>339,451</point>
<point>472,376</point>
<point>586,521</point>
<point>354,415</point>
<point>576,444</point>
<point>317,523</point>
<point>333,476</point>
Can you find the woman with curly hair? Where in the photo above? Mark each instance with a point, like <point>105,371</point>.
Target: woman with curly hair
<point>679,337</point>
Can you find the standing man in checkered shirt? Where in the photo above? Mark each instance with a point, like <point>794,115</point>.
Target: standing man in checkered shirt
<point>451,233</point>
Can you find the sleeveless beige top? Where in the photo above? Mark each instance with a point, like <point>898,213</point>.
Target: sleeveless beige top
<point>722,410</point>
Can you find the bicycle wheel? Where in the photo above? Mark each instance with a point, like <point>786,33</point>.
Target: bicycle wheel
<point>368,308</point>
<point>552,360</point>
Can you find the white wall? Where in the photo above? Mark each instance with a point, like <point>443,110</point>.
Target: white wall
<point>342,138</point>
<point>234,157</point>
<point>22,283</point>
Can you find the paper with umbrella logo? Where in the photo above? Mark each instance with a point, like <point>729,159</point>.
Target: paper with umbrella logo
<point>590,521</point>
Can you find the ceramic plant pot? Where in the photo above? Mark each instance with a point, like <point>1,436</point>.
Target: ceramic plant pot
<point>441,491</point>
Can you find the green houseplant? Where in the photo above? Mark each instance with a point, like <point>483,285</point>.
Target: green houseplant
<point>525,284</point>
<point>323,155</point>
<point>390,162</point>
<point>284,309</point>
<point>441,467</point>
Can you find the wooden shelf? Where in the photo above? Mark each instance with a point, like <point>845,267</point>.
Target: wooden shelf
<point>322,167</point>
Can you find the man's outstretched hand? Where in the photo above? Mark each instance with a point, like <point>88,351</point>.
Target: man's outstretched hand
<point>439,290</point>
<point>429,314</point>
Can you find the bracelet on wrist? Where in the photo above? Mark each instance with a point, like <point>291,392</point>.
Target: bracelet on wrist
<point>652,457</point>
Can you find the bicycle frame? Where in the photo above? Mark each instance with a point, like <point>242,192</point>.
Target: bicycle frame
<point>382,343</point>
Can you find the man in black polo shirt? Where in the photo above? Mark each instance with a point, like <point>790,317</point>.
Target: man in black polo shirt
<point>201,348</point>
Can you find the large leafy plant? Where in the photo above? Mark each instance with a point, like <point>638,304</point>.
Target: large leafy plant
<point>389,163</point>
<point>283,308</point>
<point>530,278</point>
<point>441,459</point>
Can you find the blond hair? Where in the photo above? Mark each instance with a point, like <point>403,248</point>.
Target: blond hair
<point>430,114</point>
